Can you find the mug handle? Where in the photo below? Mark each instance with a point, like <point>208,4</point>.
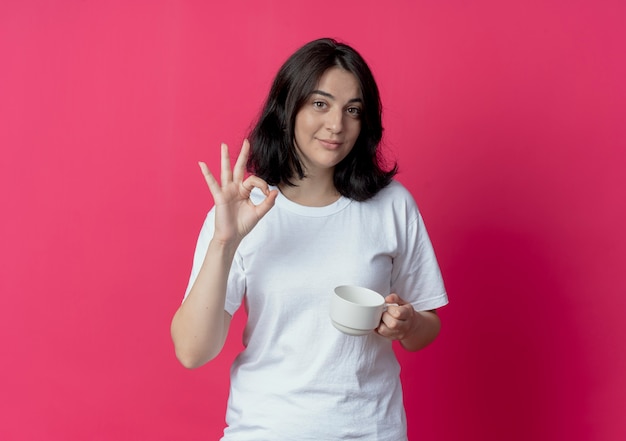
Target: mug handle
<point>389,304</point>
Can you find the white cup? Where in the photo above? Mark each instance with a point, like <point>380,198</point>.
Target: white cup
<point>355,310</point>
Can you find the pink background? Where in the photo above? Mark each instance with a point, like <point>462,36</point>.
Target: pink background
<point>507,119</point>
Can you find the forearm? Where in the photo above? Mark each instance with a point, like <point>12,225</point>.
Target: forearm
<point>426,327</point>
<point>200,324</point>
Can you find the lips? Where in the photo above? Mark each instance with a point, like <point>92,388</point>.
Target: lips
<point>330,144</point>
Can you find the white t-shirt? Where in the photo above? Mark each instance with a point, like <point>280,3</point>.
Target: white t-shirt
<point>298,377</point>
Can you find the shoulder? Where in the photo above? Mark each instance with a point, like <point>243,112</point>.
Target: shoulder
<point>394,193</point>
<point>394,201</point>
<point>395,189</point>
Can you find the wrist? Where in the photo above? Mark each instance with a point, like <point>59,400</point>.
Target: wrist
<point>226,248</point>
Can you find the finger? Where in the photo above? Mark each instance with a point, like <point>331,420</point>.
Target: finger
<point>400,311</point>
<point>392,311</point>
<point>267,203</point>
<point>254,181</point>
<point>240,165</point>
<point>384,331</point>
<point>403,313</point>
<point>208,177</point>
<point>388,319</point>
<point>227,174</point>
<point>391,328</point>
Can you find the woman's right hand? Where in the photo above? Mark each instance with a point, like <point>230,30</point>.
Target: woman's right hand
<point>235,214</point>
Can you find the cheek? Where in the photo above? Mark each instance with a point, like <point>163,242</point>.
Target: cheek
<point>355,130</point>
<point>302,125</point>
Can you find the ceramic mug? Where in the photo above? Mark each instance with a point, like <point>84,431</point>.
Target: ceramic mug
<point>355,310</point>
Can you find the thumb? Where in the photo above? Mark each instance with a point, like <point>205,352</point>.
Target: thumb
<point>267,203</point>
<point>394,298</point>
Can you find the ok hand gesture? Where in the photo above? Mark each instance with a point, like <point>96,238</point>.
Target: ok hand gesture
<point>235,214</point>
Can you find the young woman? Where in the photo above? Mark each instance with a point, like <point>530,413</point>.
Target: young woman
<point>319,210</point>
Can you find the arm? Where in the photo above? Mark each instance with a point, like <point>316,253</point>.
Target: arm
<point>200,325</point>
<point>414,329</point>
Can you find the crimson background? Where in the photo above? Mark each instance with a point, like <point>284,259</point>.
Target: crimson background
<point>507,119</point>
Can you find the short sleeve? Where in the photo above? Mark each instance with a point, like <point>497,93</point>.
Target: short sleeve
<point>416,276</point>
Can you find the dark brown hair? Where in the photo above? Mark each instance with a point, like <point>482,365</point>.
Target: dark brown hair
<point>274,156</point>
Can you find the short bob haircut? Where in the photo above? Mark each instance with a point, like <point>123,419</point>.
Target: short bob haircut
<point>274,156</point>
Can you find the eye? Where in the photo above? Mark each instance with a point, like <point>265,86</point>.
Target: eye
<point>319,104</point>
<point>354,111</point>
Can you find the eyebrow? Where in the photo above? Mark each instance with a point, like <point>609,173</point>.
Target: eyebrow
<point>328,95</point>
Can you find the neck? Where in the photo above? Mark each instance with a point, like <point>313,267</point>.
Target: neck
<point>311,192</point>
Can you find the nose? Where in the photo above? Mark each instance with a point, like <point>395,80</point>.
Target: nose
<point>334,120</point>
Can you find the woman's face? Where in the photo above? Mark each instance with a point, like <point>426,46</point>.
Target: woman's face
<point>329,122</point>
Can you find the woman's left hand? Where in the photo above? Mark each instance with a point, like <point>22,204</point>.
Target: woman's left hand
<point>398,322</point>
<point>414,329</point>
